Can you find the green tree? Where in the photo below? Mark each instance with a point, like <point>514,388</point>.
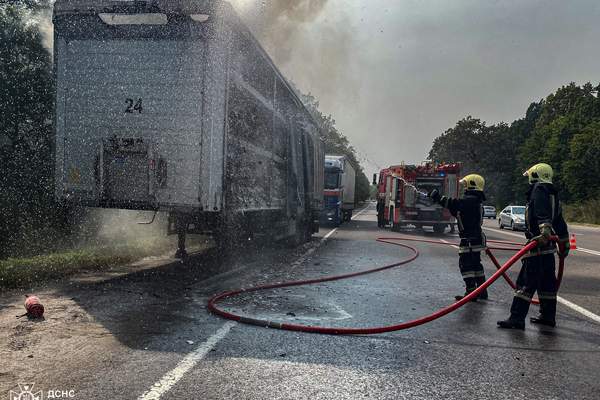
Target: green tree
<point>580,170</point>
<point>26,114</point>
<point>482,149</point>
<point>562,130</point>
<point>338,144</point>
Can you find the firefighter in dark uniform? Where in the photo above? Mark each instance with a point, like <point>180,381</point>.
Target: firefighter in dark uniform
<point>380,215</point>
<point>543,217</point>
<point>468,212</point>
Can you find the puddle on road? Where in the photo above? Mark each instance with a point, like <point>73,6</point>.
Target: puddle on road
<point>286,307</point>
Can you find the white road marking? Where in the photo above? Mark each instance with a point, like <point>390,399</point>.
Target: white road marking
<point>562,300</point>
<point>583,250</point>
<point>334,230</point>
<point>172,377</point>
<point>360,212</point>
<point>579,309</point>
<point>593,252</point>
<point>452,245</point>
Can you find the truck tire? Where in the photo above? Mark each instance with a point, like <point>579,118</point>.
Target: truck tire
<point>348,215</point>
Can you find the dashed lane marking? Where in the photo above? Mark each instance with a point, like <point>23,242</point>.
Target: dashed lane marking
<point>172,377</point>
<point>360,212</point>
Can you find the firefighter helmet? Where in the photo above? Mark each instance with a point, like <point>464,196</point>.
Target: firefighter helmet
<point>473,182</point>
<point>541,173</point>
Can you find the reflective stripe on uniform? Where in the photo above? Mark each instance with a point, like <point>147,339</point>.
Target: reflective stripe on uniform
<point>469,249</point>
<point>523,295</point>
<point>547,295</point>
<point>473,274</point>
<point>537,252</point>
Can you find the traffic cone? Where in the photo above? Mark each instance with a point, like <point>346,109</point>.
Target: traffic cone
<point>573,242</point>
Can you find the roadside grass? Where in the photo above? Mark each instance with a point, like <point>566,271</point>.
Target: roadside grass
<point>585,213</point>
<point>24,272</point>
<point>27,271</point>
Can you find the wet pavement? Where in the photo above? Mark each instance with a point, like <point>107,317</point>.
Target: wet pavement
<point>171,346</point>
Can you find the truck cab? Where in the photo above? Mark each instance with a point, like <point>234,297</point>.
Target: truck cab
<point>339,190</point>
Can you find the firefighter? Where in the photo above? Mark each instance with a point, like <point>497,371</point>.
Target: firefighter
<point>543,218</point>
<point>468,212</point>
<point>380,215</point>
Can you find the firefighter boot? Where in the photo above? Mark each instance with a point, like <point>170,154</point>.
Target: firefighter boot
<point>484,294</point>
<point>541,320</point>
<point>511,324</point>
<point>467,292</point>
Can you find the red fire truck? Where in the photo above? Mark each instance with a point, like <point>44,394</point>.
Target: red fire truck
<point>402,191</point>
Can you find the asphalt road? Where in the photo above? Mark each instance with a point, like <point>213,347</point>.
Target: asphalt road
<point>149,335</point>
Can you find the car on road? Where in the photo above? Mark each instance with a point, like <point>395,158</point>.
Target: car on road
<point>489,212</point>
<point>512,217</point>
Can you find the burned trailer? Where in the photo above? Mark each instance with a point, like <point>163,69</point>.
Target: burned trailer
<point>174,106</point>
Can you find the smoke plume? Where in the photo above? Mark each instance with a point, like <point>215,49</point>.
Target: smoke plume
<point>309,49</point>
<point>43,19</point>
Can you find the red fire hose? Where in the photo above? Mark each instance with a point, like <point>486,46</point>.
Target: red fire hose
<point>212,304</point>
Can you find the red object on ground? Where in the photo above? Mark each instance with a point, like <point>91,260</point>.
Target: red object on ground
<point>34,308</point>
<point>373,330</point>
<point>573,242</point>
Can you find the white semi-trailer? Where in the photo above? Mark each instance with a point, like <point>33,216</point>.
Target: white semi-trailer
<point>173,105</point>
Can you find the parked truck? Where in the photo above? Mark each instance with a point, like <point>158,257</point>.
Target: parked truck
<point>402,193</point>
<point>173,105</point>
<point>340,179</point>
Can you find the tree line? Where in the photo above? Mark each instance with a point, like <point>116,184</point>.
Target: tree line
<point>338,144</point>
<point>27,209</point>
<point>562,130</point>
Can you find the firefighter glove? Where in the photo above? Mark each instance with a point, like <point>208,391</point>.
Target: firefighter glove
<point>435,195</point>
<point>563,247</point>
<point>545,232</point>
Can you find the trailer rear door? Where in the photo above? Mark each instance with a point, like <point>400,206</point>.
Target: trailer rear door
<point>130,119</point>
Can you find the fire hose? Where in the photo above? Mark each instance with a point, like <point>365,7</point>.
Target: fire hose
<point>501,271</point>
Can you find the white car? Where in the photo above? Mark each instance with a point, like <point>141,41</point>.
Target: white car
<point>489,212</point>
<point>512,217</point>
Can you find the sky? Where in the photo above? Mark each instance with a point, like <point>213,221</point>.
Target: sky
<point>397,74</point>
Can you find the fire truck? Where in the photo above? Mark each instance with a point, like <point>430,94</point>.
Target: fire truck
<point>402,191</point>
